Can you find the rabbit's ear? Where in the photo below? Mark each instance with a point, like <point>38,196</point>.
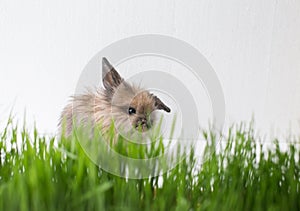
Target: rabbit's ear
<point>110,77</point>
<point>160,105</point>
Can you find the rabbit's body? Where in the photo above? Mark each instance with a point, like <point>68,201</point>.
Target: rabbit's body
<point>127,106</point>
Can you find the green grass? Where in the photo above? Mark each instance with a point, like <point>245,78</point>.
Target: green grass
<point>39,173</point>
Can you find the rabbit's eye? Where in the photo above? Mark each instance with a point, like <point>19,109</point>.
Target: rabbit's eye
<point>131,111</point>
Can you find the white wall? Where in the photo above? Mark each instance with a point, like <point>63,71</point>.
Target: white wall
<point>254,47</point>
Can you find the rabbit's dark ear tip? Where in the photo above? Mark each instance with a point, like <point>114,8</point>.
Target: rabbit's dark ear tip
<point>106,66</point>
<point>104,60</point>
<point>166,108</point>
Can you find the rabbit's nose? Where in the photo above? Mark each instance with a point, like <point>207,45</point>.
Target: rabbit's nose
<point>142,121</point>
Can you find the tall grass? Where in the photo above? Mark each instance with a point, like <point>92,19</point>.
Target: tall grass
<point>38,173</point>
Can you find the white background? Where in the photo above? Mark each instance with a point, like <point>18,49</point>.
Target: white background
<point>254,47</point>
